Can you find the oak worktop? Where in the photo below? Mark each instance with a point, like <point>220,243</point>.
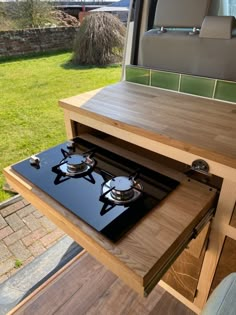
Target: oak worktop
<point>204,127</point>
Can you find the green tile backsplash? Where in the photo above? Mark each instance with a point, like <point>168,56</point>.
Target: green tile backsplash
<point>197,85</point>
<point>138,75</point>
<point>207,87</point>
<point>165,80</point>
<point>226,91</point>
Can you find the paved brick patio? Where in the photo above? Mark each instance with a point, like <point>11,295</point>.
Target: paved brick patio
<point>24,234</point>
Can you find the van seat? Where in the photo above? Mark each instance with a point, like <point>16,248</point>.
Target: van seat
<point>223,299</point>
<point>171,46</point>
<point>181,13</point>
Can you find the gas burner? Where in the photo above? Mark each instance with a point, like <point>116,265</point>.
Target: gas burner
<point>105,190</point>
<point>76,164</point>
<point>122,190</point>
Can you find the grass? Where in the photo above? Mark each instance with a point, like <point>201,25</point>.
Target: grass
<point>30,118</point>
<point>18,263</point>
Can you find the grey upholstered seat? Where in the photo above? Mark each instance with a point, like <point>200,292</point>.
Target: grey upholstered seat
<point>223,299</point>
<point>210,53</point>
<point>181,13</point>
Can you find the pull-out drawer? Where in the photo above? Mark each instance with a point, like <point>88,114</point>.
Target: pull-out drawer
<point>145,253</point>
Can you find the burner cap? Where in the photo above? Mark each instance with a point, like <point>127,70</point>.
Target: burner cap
<point>75,159</point>
<point>123,188</point>
<point>76,163</point>
<point>121,183</point>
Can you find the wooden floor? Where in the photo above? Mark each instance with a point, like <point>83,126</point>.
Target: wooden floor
<point>87,287</point>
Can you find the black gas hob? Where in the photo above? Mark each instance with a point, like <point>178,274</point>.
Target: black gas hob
<point>108,191</point>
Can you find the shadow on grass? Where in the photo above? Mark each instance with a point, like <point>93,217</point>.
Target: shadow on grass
<point>32,56</point>
<point>69,65</point>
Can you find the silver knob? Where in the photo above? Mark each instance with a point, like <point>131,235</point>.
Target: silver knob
<point>34,160</point>
<point>70,145</point>
<point>201,166</point>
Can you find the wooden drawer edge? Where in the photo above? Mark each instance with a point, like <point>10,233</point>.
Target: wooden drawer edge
<point>66,221</point>
<point>46,206</point>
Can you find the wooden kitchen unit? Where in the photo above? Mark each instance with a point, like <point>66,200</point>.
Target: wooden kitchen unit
<point>166,131</point>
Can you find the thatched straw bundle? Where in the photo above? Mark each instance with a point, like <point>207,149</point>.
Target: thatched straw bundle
<point>100,40</point>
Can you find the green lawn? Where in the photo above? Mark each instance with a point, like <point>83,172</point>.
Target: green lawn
<point>30,118</point>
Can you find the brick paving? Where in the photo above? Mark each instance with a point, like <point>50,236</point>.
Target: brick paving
<point>24,234</point>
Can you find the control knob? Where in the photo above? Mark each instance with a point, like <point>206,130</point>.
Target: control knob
<point>70,145</point>
<point>34,160</point>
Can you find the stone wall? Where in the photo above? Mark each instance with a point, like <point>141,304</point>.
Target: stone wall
<point>23,42</point>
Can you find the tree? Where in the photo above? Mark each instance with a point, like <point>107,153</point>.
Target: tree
<point>30,13</point>
<point>100,40</point>
<point>5,22</point>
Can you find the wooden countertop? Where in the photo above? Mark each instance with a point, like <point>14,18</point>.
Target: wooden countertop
<point>204,127</point>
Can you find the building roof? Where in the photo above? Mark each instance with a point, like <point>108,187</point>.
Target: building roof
<point>110,9</point>
<point>121,3</point>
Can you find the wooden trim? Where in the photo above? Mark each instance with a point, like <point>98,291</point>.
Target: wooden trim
<point>222,218</point>
<point>227,230</point>
<point>209,266</point>
<point>70,132</point>
<point>145,160</point>
<point>180,297</point>
<point>230,231</point>
<point>226,203</point>
<point>73,128</point>
<point>46,283</point>
<point>153,145</point>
